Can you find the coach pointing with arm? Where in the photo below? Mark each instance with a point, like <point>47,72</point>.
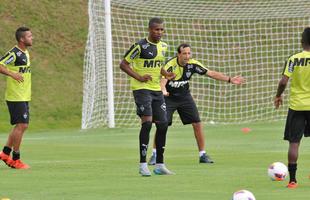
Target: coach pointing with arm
<point>178,97</point>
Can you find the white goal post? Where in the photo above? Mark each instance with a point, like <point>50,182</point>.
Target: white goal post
<point>252,38</point>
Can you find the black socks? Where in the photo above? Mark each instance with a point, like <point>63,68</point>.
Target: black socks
<point>144,137</point>
<point>160,141</point>
<point>16,155</point>
<point>7,150</point>
<point>292,168</point>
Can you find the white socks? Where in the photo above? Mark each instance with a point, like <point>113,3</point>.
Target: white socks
<point>201,153</point>
<point>143,164</point>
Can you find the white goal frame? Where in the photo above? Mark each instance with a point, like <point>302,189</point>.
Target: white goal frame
<point>251,38</point>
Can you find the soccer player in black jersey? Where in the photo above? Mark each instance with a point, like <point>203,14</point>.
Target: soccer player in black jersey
<point>178,96</point>
<point>17,95</point>
<point>297,68</point>
<point>143,62</point>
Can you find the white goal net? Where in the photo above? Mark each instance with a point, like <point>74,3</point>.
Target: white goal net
<point>251,38</point>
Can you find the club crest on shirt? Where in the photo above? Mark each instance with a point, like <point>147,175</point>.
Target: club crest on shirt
<point>188,74</point>
<point>145,46</point>
<point>19,53</point>
<point>190,66</point>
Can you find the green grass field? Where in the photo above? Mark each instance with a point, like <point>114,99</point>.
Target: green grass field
<point>102,164</point>
<point>60,30</point>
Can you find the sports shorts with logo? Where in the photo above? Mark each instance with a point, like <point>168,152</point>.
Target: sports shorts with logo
<point>19,111</point>
<point>297,125</point>
<point>150,103</point>
<point>185,106</point>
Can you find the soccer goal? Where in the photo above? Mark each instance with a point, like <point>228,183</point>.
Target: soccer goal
<point>251,38</point>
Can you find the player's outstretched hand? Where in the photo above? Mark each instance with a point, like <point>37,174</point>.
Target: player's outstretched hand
<point>278,101</point>
<point>237,80</point>
<point>145,78</point>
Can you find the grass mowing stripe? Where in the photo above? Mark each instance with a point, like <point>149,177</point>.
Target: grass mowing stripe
<point>103,164</point>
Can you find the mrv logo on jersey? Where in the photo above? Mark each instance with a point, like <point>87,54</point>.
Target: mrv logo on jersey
<point>300,62</point>
<point>24,69</point>
<point>177,84</point>
<point>152,63</point>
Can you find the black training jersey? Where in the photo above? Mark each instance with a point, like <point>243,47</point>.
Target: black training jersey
<point>146,58</point>
<point>180,85</point>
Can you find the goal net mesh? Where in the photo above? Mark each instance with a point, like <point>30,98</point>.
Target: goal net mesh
<point>248,38</point>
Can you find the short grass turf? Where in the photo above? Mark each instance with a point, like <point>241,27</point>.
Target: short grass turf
<point>103,164</point>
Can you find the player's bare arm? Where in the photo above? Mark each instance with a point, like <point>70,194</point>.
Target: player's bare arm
<point>281,87</point>
<point>237,80</point>
<point>167,75</point>
<point>16,76</point>
<point>163,83</point>
<point>125,66</point>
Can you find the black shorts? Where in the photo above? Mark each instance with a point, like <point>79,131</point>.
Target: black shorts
<point>186,107</point>
<point>150,103</point>
<point>19,112</point>
<point>297,125</point>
